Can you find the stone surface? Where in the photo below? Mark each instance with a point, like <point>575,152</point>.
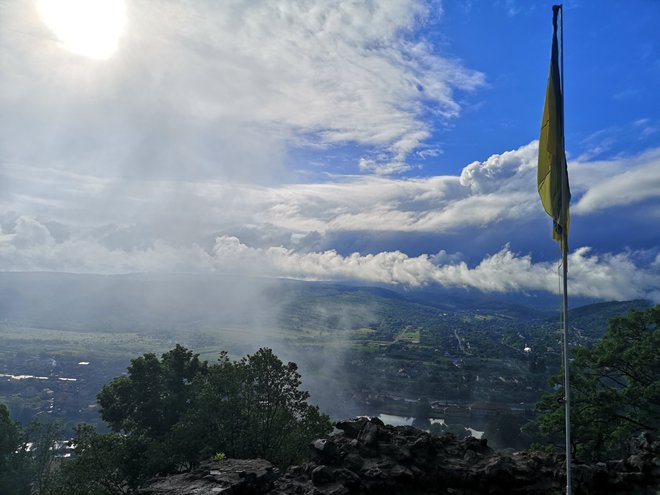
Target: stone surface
<point>226,477</point>
<point>368,457</point>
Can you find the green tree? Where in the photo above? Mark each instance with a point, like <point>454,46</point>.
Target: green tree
<point>615,389</point>
<point>147,405</point>
<point>273,403</point>
<point>15,476</point>
<point>255,408</point>
<point>151,398</point>
<point>99,467</point>
<point>27,456</point>
<point>177,410</point>
<point>9,439</point>
<point>42,462</point>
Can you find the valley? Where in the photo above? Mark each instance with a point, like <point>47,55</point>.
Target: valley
<point>360,350</point>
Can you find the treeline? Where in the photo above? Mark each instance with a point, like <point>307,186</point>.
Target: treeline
<point>166,415</point>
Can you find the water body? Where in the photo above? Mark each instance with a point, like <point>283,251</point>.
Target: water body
<point>28,377</point>
<point>392,419</point>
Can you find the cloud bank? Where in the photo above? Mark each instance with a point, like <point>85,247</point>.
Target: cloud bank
<point>609,276</point>
<point>287,231</point>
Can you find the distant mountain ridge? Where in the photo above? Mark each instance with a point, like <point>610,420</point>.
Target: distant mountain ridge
<point>139,301</point>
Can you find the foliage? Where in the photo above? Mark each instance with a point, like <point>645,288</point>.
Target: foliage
<point>254,408</point>
<point>9,438</point>
<point>27,456</point>
<point>615,389</point>
<point>14,459</point>
<point>42,461</point>
<point>151,398</point>
<point>100,465</point>
<point>178,410</point>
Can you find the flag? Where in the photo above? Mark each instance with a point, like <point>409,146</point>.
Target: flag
<point>552,173</point>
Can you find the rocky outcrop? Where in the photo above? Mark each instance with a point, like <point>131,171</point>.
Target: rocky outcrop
<point>226,477</point>
<point>368,457</point>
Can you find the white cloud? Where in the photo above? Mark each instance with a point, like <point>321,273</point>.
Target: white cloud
<point>289,230</point>
<point>509,171</point>
<point>609,276</point>
<point>499,190</point>
<point>368,165</point>
<point>431,152</point>
<point>233,81</point>
<point>502,188</point>
<point>633,180</point>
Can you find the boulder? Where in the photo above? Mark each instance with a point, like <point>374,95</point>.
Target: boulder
<point>226,476</point>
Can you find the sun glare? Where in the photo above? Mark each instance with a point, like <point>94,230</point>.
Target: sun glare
<point>90,28</point>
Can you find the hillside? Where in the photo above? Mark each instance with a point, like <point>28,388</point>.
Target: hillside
<point>360,349</point>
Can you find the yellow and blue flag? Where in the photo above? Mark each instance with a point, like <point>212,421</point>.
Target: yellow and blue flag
<point>552,172</point>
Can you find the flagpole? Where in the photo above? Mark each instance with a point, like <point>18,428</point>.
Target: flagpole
<point>564,262</point>
<point>567,386</point>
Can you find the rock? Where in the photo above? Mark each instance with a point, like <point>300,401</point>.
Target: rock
<point>353,461</point>
<point>471,456</point>
<point>369,434</point>
<point>325,449</point>
<point>346,477</point>
<point>400,453</point>
<point>476,444</point>
<point>227,476</point>
<point>400,473</point>
<point>636,462</point>
<point>352,428</point>
<point>423,446</point>
<point>322,475</point>
<point>371,458</point>
<point>375,469</point>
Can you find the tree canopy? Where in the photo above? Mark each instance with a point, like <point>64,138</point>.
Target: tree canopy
<point>615,388</point>
<point>167,414</point>
<point>151,398</point>
<point>177,410</point>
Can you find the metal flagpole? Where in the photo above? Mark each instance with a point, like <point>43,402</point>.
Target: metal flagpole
<point>567,386</point>
<point>564,252</point>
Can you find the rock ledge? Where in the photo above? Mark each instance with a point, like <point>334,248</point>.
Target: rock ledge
<point>368,457</point>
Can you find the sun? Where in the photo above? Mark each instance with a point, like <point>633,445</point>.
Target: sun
<point>90,28</point>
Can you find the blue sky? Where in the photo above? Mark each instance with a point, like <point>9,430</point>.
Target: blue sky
<point>613,68</point>
<point>383,142</point>
<point>611,73</point>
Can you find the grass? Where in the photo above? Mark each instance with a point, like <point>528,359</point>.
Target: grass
<point>61,342</point>
<point>410,334</point>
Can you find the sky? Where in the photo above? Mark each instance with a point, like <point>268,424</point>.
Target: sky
<point>387,142</point>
